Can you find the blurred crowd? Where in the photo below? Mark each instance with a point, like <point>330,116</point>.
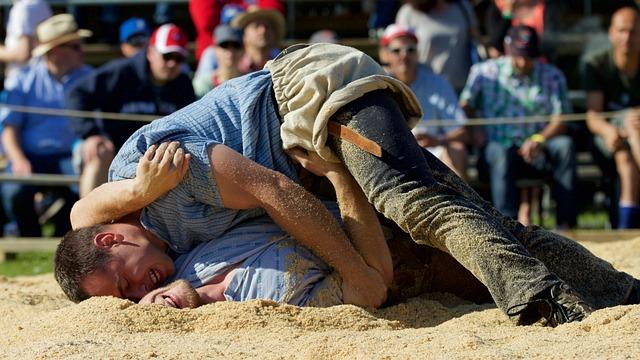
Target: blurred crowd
<point>503,75</point>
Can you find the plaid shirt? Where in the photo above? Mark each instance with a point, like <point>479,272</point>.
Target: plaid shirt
<point>494,90</point>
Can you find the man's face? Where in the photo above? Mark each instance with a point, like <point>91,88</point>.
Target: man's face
<point>259,33</point>
<point>67,56</point>
<point>179,294</point>
<point>229,54</point>
<point>402,55</point>
<point>522,65</point>
<point>164,67</point>
<point>624,32</point>
<point>137,266</point>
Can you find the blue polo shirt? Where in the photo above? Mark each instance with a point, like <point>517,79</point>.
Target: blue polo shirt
<point>41,134</point>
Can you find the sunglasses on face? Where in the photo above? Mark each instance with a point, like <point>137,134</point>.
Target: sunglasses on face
<point>177,57</point>
<point>230,45</point>
<point>410,49</point>
<point>72,46</point>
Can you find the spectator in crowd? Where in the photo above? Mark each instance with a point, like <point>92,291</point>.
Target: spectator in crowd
<point>134,36</point>
<point>497,23</point>
<point>539,14</point>
<point>398,48</point>
<point>228,51</point>
<point>151,82</point>
<point>40,143</point>
<point>24,16</point>
<point>612,81</point>
<point>206,15</point>
<point>519,85</point>
<point>264,28</point>
<point>445,31</point>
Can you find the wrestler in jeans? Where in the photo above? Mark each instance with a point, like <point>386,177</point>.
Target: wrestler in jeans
<point>427,200</point>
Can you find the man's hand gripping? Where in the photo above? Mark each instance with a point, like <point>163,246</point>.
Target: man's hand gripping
<point>160,170</point>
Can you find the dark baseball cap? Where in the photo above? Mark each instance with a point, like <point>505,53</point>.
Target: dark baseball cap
<point>522,40</point>
<point>226,33</point>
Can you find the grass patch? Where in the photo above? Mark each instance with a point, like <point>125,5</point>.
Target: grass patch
<point>27,263</point>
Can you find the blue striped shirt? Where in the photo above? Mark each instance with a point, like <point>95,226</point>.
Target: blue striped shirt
<point>240,114</point>
<point>269,264</point>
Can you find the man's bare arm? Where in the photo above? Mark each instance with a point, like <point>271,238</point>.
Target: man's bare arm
<point>160,169</point>
<point>244,184</point>
<point>20,53</point>
<point>360,219</point>
<point>598,124</point>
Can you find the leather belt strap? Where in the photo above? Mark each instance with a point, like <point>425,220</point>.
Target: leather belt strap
<point>353,137</point>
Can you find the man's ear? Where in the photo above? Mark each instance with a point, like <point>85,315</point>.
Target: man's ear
<point>106,240</point>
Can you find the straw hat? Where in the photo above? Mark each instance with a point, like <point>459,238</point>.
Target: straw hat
<point>57,30</point>
<point>254,12</point>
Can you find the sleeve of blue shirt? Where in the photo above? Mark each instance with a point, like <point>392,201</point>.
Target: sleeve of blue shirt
<point>14,118</point>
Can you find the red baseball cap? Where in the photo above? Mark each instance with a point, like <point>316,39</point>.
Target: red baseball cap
<point>169,38</point>
<point>395,31</point>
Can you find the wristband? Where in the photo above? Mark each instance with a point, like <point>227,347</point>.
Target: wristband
<point>537,137</point>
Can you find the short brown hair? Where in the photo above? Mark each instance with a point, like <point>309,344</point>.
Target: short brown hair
<point>76,257</point>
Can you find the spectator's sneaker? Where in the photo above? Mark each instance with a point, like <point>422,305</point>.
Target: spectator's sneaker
<point>557,305</point>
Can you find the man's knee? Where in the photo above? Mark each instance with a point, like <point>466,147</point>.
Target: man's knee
<point>562,147</point>
<point>497,157</point>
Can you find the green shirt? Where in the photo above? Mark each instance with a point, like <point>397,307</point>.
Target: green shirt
<point>599,73</point>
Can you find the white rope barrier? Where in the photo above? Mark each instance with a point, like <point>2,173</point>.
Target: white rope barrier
<point>429,123</point>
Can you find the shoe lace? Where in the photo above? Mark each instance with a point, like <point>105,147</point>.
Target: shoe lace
<point>557,313</point>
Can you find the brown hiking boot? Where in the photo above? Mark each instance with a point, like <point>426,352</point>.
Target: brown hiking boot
<point>557,305</point>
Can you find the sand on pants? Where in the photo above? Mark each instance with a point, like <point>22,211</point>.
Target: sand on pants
<point>38,322</point>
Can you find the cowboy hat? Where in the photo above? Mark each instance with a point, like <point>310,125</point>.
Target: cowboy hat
<point>57,30</point>
<point>253,13</point>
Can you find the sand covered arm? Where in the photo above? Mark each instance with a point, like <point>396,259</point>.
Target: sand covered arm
<point>361,223</point>
<point>244,184</point>
<point>360,219</point>
<point>159,170</point>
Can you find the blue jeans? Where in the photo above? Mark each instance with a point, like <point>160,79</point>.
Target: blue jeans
<point>506,166</point>
<point>18,198</point>
<point>435,207</point>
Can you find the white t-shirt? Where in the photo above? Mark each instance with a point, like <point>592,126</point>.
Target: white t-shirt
<point>443,39</point>
<point>24,17</point>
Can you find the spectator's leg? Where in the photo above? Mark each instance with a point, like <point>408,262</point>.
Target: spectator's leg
<point>502,178</point>
<point>524,208</point>
<point>19,205</point>
<point>633,133</point>
<point>633,138</point>
<point>400,185</point>
<point>61,219</point>
<point>629,189</point>
<point>95,172</point>
<point>562,155</point>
